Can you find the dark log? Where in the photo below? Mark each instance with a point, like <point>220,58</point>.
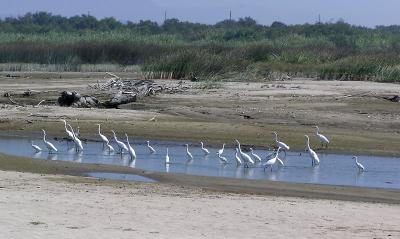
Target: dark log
<point>394,98</point>
<point>68,98</point>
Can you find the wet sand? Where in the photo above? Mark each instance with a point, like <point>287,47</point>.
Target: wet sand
<point>43,206</point>
<point>213,184</point>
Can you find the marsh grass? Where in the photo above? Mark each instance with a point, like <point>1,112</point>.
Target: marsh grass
<point>176,50</point>
<point>32,67</point>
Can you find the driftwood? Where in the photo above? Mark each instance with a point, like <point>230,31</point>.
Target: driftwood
<point>12,101</point>
<point>123,97</point>
<point>119,99</point>
<point>122,91</point>
<point>74,99</point>
<point>40,103</point>
<point>394,98</point>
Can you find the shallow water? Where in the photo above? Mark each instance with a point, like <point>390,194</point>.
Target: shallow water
<point>334,169</point>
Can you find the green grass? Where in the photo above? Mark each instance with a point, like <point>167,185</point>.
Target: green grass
<point>182,50</point>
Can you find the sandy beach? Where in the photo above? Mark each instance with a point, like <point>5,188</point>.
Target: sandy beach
<point>43,206</point>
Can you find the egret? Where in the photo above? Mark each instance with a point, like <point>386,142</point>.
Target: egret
<point>103,137</point>
<point>110,148</point>
<point>167,158</point>
<point>189,155</point>
<point>120,144</point>
<point>360,167</point>
<point>151,149</point>
<point>131,151</point>
<point>322,138</point>
<point>204,149</point>
<point>314,157</point>
<point>223,159</point>
<point>280,161</point>
<point>221,150</point>
<point>238,160</point>
<point>256,157</point>
<point>245,157</point>
<point>272,161</point>
<point>49,145</point>
<point>69,133</point>
<point>77,141</point>
<point>280,144</point>
<point>35,147</point>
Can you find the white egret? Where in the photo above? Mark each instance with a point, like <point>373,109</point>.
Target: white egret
<point>221,150</point>
<point>280,161</point>
<point>69,133</point>
<point>167,158</point>
<point>49,145</point>
<point>151,149</point>
<point>131,151</point>
<point>245,157</point>
<point>77,141</point>
<point>255,156</point>
<point>270,163</point>
<point>223,159</point>
<point>280,144</point>
<point>35,147</point>
<point>314,157</point>
<point>110,148</point>
<point>238,160</point>
<point>206,151</point>
<point>103,137</point>
<point>360,167</point>
<point>120,144</point>
<point>322,138</point>
<point>189,155</point>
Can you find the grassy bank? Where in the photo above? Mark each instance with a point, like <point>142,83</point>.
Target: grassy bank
<point>178,49</point>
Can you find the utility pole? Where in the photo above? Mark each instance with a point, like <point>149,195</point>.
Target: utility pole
<point>165,16</point>
<point>319,18</point>
<point>230,15</point>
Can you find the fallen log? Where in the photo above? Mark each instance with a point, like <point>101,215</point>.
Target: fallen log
<point>138,90</point>
<point>120,99</point>
<point>68,98</point>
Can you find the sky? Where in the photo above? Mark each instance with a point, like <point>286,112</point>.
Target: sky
<point>358,12</point>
